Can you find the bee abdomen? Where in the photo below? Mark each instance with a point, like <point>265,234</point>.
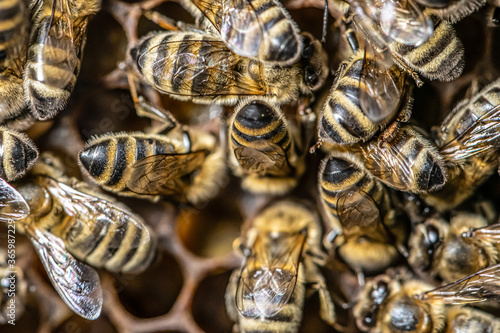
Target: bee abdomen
<point>11,21</point>
<point>343,121</point>
<point>440,58</point>
<point>18,154</point>
<point>106,158</point>
<point>456,10</point>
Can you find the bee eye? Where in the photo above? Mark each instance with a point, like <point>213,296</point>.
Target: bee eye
<point>380,292</point>
<point>308,52</point>
<point>369,319</point>
<point>432,234</point>
<point>311,76</point>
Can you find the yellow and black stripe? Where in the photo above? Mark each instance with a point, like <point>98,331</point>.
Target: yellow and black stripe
<point>18,154</point>
<point>342,119</point>
<point>407,162</point>
<point>12,33</point>
<point>440,58</point>
<point>105,158</point>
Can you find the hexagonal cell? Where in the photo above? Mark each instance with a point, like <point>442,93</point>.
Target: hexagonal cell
<point>209,309</point>
<point>76,324</point>
<point>153,292</point>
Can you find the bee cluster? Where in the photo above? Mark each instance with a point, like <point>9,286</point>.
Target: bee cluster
<point>200,169</point>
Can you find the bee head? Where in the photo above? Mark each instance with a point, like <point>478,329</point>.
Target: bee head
<point>314,62</point>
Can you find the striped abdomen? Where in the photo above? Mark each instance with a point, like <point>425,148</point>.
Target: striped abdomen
<point>51,69</point>
<point>116,241</point>
<point>457,9</point>
<point>18,154</point>
<point>12,31</point>
<point>106,158</point>
<point>440,58</point>
<point>407,162</point>
<point>287,320</point>
<point>342,173</point>
<point>342,119</point>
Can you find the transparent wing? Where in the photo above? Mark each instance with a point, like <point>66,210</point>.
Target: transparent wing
<point>357,209</point>
<point>483,285</point>
<point>238,24</point>
<point>382,86</point>
<point>160,174</point>
<point>12,204</point>
<point>269,275</point>
<point>77,284</point>
<point>58,46</point>
<point>213,69</point>
<point>490,233</point>
<point>480,138</point>
<point>267,159</point>
<point>92,215</point>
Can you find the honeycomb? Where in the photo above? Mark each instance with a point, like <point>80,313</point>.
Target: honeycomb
<point>183,290</point>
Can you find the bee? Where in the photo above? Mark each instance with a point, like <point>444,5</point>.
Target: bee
<point>260,30</point>
<point>263,150</point>
<point>365,97</point>
<point>411,37</point>
<point>371,231</point>
<point>389,304</point>
<point>455,10</point>
<point>268,293</point>
<point>13,289</point>
<point>408,161</point>
<point>56,47</point>
<point>199,67</point>
<point>469,141</point>
<point>454,250</point>
<point>173,161</point>
<point>66,223</point>
<point>13,43</point>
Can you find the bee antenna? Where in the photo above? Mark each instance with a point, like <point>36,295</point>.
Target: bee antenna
<point>325,22</point>
<point>318,144</point>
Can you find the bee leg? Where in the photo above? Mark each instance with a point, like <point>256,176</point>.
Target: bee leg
<point>307,120</point>
<point>314,277</point>
<point>325,22</point>
<point>163,21</point>
<point>413,74</point>
<point>230,296</point>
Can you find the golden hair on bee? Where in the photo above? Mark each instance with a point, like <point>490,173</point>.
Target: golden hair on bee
<point>456,9</point>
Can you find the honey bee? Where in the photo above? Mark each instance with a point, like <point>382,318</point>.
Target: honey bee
<point>13,289</point>
<point>54,55</point>
<point>268,293</point>
<point>389,304</point>
<point>13,42</point>
<point>402,29</point>
<point>173,161</point>
<point>452,251</point>
<point>407,161</point>
<point>260,30</point>
<point>371,231</point>
<point>66,222</point>
<point>366,95</point>
<point>454,10</point>
<point>262,148</point>
<point>469,141</point>
<point>199,67</point>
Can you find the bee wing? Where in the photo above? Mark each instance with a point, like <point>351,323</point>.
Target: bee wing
<point>77,283</point>
<point>235,19</point>
<point>208,73</point>
<point>381,88</point>
<point>57,38</point>
<point>483,285</point>
<point>12,204</point>
<point>159,174</point>
<point>479,139</point>
<point>491,233</point>
<point>357,208</point>
<point>93,215</point>
<point>269,158</point>
<point>269,275</point>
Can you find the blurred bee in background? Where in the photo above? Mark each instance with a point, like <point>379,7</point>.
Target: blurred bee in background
<point>451,251</point>
<point>415,42</point>
<point>55,52</point>
<point>13,289</point>
<point>268,293</point>
<point>469,141</point>
<point>407,162</point>
<point>171,160</point>
<point>366,95</point>
<point>261,30</point>
<point>404,304</point>
<point>366,230</point>
<point>66,222</point>
<point>13,44</point>
<point>263,148</point>
<point>454,10</point>
<point>199,67</point>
